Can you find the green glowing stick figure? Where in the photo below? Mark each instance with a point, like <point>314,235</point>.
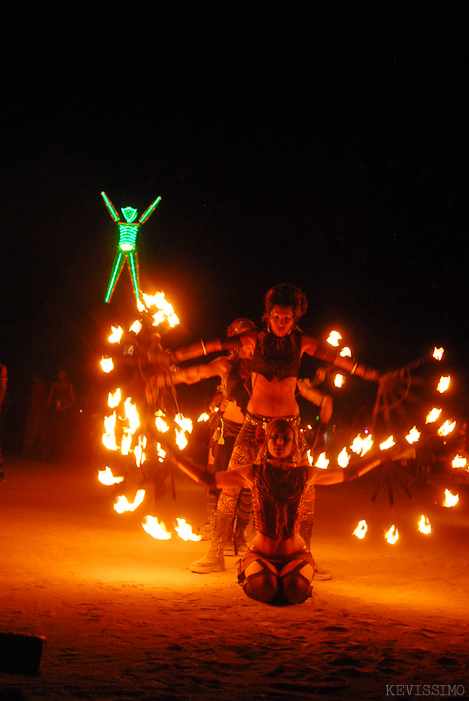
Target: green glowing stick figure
<point>126,248</point>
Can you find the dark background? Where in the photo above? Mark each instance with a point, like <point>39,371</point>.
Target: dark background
<point>318,143</point>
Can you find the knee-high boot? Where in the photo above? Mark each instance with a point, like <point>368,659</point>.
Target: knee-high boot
<point>213,560</point>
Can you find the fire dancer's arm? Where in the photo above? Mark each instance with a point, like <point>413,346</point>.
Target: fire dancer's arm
<point>315,397</point>
<point>312,347</point>
<point>197,350</point>
<point>356,470</point>
<point>191,375</point>
<point>219,480</point>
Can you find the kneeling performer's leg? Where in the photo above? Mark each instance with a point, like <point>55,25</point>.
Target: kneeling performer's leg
<point>259,580</point>
<point>296,578</point>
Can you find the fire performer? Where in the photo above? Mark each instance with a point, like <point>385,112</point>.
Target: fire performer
<point>277,568</point>
<point>277,350</point>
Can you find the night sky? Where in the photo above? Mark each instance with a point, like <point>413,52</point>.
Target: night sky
<point>318,143</point>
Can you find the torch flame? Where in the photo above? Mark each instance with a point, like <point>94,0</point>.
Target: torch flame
<point>109,435</point>
<point>343,458</point>
<point>185,425</point>
<point>346,352</point>
<point>432,416</point>
<point>438,353</point>
<point>156,529</point>
<point>106,364</point>
<point>361,529</point>
<point>339,380</point>
<point>114,398</point>
<point>122,504</point>
<point>387,443</point>
<point>322,461</point>
<point>362,445</point>
<point>184,530</point>
<point>131,414</point>
<point>450,499</point>
<point>203,417</point>
<point>392,535</point>
<point>136,327</point>
<point>443,384</point>
<point>106,477</point>
<point>165,310</point>
<point>424,525</point>
<point>446,428</point>
<point>334,338</point>
<point>413,435</point>
<point>116,334</point>
<point>459,461</point>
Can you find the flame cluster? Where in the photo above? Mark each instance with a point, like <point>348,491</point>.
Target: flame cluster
<point>122,427</point>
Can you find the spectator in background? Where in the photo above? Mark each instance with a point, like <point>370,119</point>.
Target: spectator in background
<point>60,416</point>
<point>35,418</point>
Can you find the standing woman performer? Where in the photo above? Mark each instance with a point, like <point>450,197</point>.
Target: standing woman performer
<point>276,356</point>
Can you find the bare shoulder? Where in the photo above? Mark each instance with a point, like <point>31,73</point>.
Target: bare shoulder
<point>308,344</point>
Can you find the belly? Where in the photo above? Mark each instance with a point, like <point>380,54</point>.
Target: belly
<point>274,397</point>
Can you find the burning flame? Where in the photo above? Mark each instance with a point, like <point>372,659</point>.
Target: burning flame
<point>322,461</point>
<point>387,444</point>
<point>116,334</point>
<point>139,449</point>
<point>424,525</point>
<point>346,352</point>
<point>106,477</point>
<point>156,529</point>
<point>362,445</point>
<point>114,398</point>
<point>438,353</point>
<point>160,423</point>
<point>459,461</point>
<point>392,535</point>
<point>361,529</point>
<point>184,530</point>
<point>160,452</point>
<point>185,425</point>
<point>165,310</point>
<point>334,338</point>
<point>339,380</point>
<point>432,416</point>
<point>109,435</point>
<point>443,384</point>
<point>343,458</point>
<point>122,504</point>
<point>131,414</point>
<point>446,428</point>
<point>413,435</point>
<point>203,417</point>
<point>450,499</point>
<point>106,364</point>
<point>136,327</point>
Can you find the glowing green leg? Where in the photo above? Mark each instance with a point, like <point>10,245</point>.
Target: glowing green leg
<point>119,261</point>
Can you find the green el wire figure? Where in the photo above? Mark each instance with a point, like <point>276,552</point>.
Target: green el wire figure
<point>126,248</point>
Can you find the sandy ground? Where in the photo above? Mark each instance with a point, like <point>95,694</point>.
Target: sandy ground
<point>124,618</point>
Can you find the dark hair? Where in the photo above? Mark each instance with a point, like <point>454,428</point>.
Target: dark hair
<point>286,296</point>
<point>281,425</point>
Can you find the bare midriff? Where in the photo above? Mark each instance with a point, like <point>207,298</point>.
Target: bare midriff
<point>274,398</point>
<point>277,547</point>
<point>233,413</point>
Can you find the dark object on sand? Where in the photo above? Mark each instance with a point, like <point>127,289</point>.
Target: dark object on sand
<point>20,654</point>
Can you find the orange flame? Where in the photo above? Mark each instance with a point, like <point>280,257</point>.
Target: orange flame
<point>106,364</point>
<point>361,529</point>
<point>446,428</point>
<point>343,458</point>
<point>432,416</point>
<point>109,435</point>
<point>392,535</point>
<point>438,353</point>
<point>334,338</point>
<point>362,445</point>
<point>203,417</point>
<point>459,461</point>
<point>136,327</point>
<point>185,426</point>
<point>346,352</point>
<point>339,380</point>
<point>450,499</point>
<point>114,398</point>
<point>165,310</point>
<point>387,444</point>
<point>443,383</point>
<point>106,477</point>
<point>122,504</point>
<point>413,435</point>
<point>322,461</point>
<point>424,525</point>
<point>116,334</point>
<point>156,529</point>
<point>184,530</point>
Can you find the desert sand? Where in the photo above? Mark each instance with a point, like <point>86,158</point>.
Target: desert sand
<point>124,618</point>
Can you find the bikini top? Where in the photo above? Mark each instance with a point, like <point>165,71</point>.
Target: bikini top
<point>277,498</point>
<point>276,357</point>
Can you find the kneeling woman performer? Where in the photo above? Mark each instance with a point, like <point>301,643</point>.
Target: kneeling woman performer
<point>277,568</point>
